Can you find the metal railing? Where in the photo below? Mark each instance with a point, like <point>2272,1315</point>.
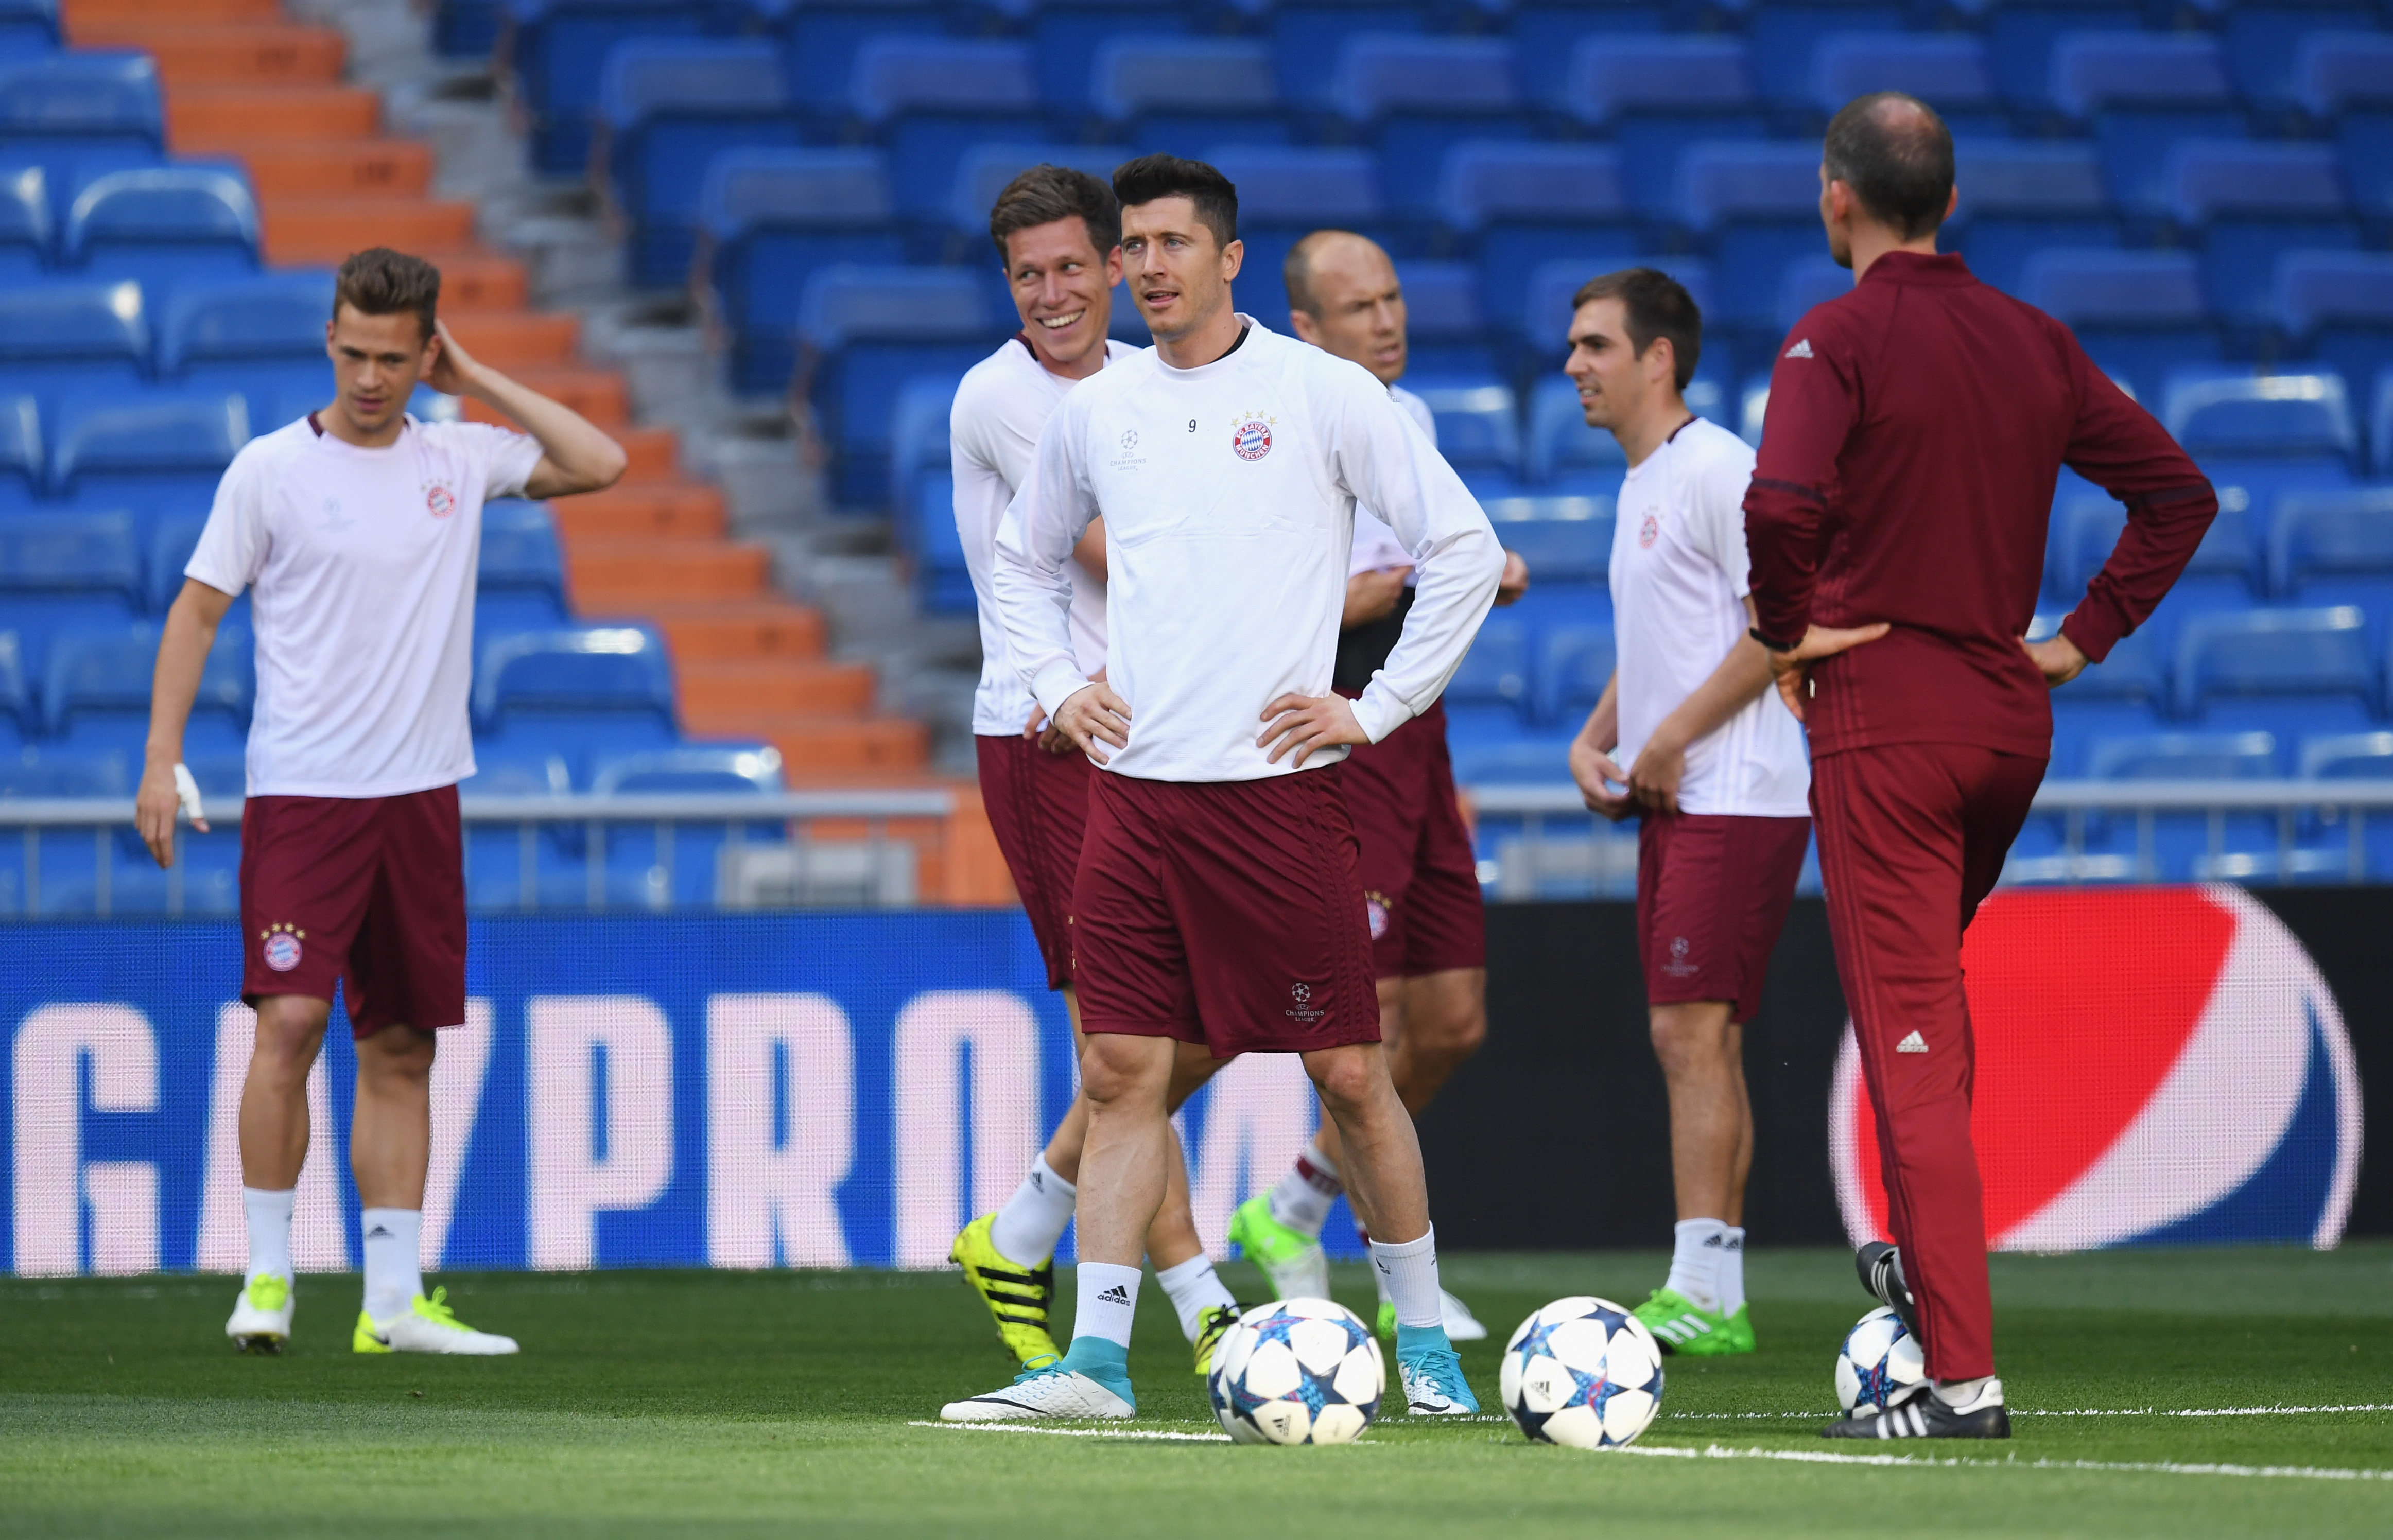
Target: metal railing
<point>770,854</point>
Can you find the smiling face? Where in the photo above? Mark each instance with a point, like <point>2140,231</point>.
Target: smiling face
<point>1359,306</point>
<point>377,362</point>
<point>1179,274</point>
<point>1614,384</point>
<point>1063,286</point>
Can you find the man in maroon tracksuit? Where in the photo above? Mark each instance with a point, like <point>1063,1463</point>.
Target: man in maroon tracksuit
<point>1897,522</point>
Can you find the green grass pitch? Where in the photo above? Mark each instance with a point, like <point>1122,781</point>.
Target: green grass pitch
<point>688,1403</point>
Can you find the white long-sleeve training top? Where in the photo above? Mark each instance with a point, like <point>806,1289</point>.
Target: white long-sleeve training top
<point>1228,493</point>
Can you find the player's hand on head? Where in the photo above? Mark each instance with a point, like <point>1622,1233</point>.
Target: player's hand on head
<point>1791,669</point>
<point>452,366</point>
<point>1095,714</point>
<point>1597,774</point>
<point>2056,658</point>
<point>1515,580</point>
<point>1303,724</point>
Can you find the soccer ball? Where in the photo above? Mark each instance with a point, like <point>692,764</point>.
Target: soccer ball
<point>1299,1371</point>
<point>1583,1372</point>
<point>1880,1360</point>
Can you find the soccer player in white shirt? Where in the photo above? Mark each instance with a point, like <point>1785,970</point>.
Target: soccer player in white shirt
<point>1421,878</point>
<point>1058,231</point>
<point>1716,771</point>
<point>359,528</point>
<point>1217,900</point>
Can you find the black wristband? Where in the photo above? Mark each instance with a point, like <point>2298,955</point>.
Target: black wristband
<point>1755,632</point>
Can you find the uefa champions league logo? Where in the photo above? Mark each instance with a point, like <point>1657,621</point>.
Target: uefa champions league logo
<point>1301,993</point>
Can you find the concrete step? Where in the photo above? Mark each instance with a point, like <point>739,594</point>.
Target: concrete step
<point>225,120</point>
<point>719,690</point>
<point>515,340</point>
<point>77,15</point>
<point>819,748</point>
<point>655,454</point>
<point>742,630</point>
<point>634,509</point>
<point>597,394</point>
<point>303,232</point>
<point>629,577</point>
<point>239,53</point>
<point>339,168</point>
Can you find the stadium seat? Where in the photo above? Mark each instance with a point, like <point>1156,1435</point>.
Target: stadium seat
<point>1511,762</point>
<point>712,769</point>
<point>2264,46</point>
<point>1444,329</point>
<point>941,579</point>
<point>1656,94</point>
<point>2336,307</point>
<point>1547,36</point>
<point>20,712</point>
<point>872,329</point>
<point>2330,534</point>
<point>173,538</point>
<point>1784,38</point>
<point>1950,72</point>
<point>932,99</point>
<point>1283,195</point>
<point>576,691</point>
<point>56,336</point>
<point>1564,539</point>
<point>1574,665</point>
<point>95,688</point>
<point>20,451</point>
<point>1155,94</point>
<point>1494,673</point>
<point>918,436</point>
<point>2273,654</point>
<point>2141,93</point>
<point>823,37</point>
<point>559,50</point>
<point>1526,203</point>
<point>2020,35</point>
<point>775,216</point>
<point>262,336</point>
<point>2251,203</point>
<point>1760,202</point>
<point>1752,409</point>
<point>65,571</point>
<point>520,584</point>
<point>1478,429</point>
<point>1307,34</point>
<point>151,452</point>
<point>162,226</point>
<point>1809,281</point>
<point>1418,97</point>
<point>25,234</point>
<point>2185,757</point>
<point>2335,71</point>
<point>2125,692</point>
<point>2089,528</point>
<point>2346,757</point>
<point>2139,314</point>
<point>660,867</point>
<point>2017,198</point>
<point>87,106</point>
<point>2225,413</point>
<point>1068,36</point>
<point>1565,454</point>
<point>984,169</point>
<point>668,106</point>
<point>63,771</point>
<point>28,28</point>
<point>2380,421</point>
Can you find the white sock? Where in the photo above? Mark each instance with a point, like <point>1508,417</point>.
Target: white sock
<point>269,1231</point>
<point>394,1267</point>
<point>1195,1288</point>
<point>1960,1393</point>
<point>1694,1262</point>
<point>1728,1277</point>
<point>1305,1192</point>
<point>1108,1302</point>
<point>1409,1273</point>
<point>1033,1219</point>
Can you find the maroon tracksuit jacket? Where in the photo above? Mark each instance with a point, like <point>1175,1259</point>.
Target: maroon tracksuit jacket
<point>1916,430</point>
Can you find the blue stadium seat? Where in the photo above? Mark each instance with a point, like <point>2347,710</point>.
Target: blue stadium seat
<point>1527,204</point>
<point>1154,93</point>
<point>2330,534</point>
<point>2235,413</point>
<point>2336,306</point>
<point>1654,96</point>
<point>1306,34</point>
<point>1477,430</point>
<point>668,106</point>
<point>1752,409</point>
<point>2250,204</point>
<point>1445,328</point>
<point>62,106</point>
<point>918,436</point>
<point>1509,761</point>
<point>95,688</point>
<point>262,336</point>
<point>576,690</point>
<point>1564,453</point>
<point>2089,525</point>
<point>64,571</point>
<point>2337,71</point>
<point>150,452</point>
<point>2263,44</point>
<point>20,711</point>
<point>1283,195</point>
<point>984,169</point>
<point>1067,37</point>
<point>2017,198</point>
<point>2142,93</point>
<point>2275,654</point>
<point>28,28</point>
<point>1760,204</point>
<point>2380,421</point>
<point>1565,540</point>
<point>941,577</point>
<point>775,216</point>
<point>64,771</point>
<point>173,538</point>
<point>1574,664</point>
<point>161,226</point>
<point>931,98</point>
<point>20,451</point>
<point>559,49</point>
<point>520,584</point>
<point>1785,38</point>
<point>2020,35</point>
<point>1494,673</point>
<point>2185,757</point>
<point>1418,97</point>
<point>1809,281</point>
<point>2139,314</point>
<point>824,36</point>
<point>681,869</point>
<point>2346,757</point>
<point>2125,692</point>
<point>695,768</point>
<point>1952,73</point>
<point>56,336</point>
<point>25,236</point>
<point>1547,36</point>
<point>873,329</point>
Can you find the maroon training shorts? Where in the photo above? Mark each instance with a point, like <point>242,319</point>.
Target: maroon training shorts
<point>1037,805</point>
<point>1712,894</point>
<point>364,892</point>
<point>1421,877</point>
<point>1226,913</point>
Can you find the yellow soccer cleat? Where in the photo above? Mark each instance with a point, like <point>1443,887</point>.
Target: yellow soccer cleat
<point>1211,1327</point>
<point>426,1327</point>
<point>1019,1298</point>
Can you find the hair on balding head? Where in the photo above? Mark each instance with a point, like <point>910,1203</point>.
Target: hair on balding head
<point>1896,154</point>
<point>1297,272</point>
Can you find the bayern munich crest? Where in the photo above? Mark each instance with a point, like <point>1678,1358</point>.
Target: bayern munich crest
<point>281,947</point>
<point>2155,1067</point>
<point>441,501</point>
<point>1252,440</point>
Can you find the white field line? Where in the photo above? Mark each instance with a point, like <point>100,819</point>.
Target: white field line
<point>2170,1468</point>
<point>2067,1412</point>
<point>1163,1433</point>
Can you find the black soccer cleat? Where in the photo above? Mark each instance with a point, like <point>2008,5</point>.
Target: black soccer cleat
<point>1926,1415</point>
<point>1880,1265</point>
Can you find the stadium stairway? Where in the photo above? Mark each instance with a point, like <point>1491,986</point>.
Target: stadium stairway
<point>243,80</point>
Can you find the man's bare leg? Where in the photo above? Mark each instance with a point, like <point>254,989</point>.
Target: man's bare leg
<point>390,1147</point>
<point>1702,1052</point>
<point>274,1124</point>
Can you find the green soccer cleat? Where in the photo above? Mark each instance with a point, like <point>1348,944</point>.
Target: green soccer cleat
<point>1018,1298</point>
<point>1681,1325</point>
<point>427,1326</point>
<point>1291,1262</point>
<point>1211,1327</point>
<point>261,1316</point>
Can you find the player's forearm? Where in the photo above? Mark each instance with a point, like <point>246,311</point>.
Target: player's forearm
<point>1457,588</point>
<point>1034,605</point>
<point>1781,534</point>
<point>2163,530</point>
<point>183,644</point>
<point>1602,730</point>
<point>580,454</point>
<point>1739,680</point>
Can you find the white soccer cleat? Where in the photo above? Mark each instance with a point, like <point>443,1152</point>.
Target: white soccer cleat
<point>1042,1395</point>
<point>1460,1324</point>
<point>261,1316</point>
<point>427,1326</point>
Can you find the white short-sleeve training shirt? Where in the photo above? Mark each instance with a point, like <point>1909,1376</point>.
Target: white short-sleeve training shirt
<point>993,430</point>
<point>1679,567</point>
<point>362,563</point>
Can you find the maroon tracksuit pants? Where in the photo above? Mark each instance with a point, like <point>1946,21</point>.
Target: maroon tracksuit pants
<point>1912,837</point>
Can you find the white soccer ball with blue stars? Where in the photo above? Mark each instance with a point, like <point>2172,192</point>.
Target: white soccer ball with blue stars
<point>1296,1371</point>
<point>1584,1373</point>
<point>1878,1363</point>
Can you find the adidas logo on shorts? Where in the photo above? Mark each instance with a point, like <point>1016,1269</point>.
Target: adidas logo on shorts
<point>1912,1044</point>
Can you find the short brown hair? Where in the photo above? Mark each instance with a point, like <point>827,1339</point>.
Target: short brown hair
<point>1656,306</point>
<point>1897,156</point>
<point>1046,193</point>
<point>380,281</point>
<point>1153,177</point>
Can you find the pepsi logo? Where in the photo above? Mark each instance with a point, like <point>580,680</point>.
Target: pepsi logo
<point>2154,1066</point>
<point>1252,440</point>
